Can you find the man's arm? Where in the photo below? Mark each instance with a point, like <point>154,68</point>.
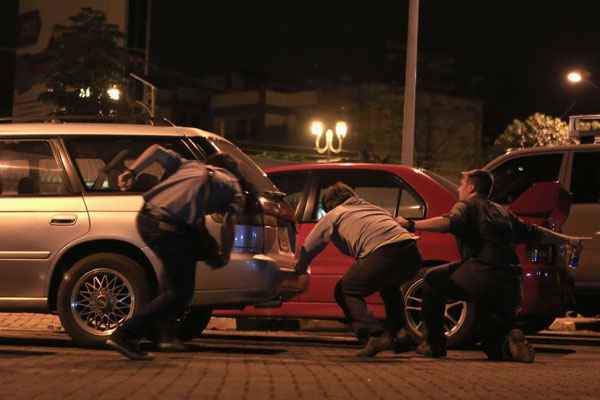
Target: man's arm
<point>167,158</point>
<point>315,243</point>
<point>435,224</point>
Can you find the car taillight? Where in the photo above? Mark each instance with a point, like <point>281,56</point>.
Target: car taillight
<point>542,254</point>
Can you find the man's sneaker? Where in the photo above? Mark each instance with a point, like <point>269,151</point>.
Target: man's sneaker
<point>426,350</point>
<point>127,346</point>
<point>517,347</point>
<point>375,345</point>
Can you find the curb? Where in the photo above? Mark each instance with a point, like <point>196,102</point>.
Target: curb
<point>575,324</point>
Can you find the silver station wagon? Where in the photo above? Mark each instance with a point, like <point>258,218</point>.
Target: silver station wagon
<point>68,238</point>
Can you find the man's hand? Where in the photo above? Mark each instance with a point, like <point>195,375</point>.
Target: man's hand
<point>125,180</point>
<point>301,269</point>
<point>402,221</point>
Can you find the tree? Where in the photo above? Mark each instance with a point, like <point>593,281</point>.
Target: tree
<point>537,130</point>
<point>84,59</point>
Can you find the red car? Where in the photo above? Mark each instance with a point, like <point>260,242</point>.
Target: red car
<point>416,194</point>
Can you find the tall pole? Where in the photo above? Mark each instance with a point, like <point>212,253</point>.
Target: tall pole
<point>410,85</point>
<point>148,31</point>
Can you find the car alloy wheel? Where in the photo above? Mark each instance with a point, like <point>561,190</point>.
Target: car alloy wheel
<point>101,299</point>
<point>455,313</point>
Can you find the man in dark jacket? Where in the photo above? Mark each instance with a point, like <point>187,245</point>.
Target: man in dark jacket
<point>489,273</point>
<point>171,223</point>
<point>386,257</point>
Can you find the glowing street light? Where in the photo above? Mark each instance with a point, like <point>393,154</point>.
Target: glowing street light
<point>577,77</point>
<point>574,77</point>
<point>114,93</point>
<point>317,128</point>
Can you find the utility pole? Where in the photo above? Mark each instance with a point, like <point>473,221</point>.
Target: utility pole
<point>410,85</point>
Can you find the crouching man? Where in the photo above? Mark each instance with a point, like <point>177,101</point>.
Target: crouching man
<point>386,256</point>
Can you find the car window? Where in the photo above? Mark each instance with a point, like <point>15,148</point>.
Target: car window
<point>28,167</point>
<point>585,179</point>
<point>516,175</point>
<point>100,160</point>
<point>380,188</point>
<point>252,172</point>
<point>293,185</point>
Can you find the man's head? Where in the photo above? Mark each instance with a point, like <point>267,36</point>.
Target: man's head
<point>335,195</point>
<point>225,161</point>
<point>476,182</point>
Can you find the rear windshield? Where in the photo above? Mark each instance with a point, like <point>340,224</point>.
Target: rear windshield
<point>252,172</point>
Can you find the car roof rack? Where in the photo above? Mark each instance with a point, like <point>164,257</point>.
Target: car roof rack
<point>585,136</point>
<point>62,118</point>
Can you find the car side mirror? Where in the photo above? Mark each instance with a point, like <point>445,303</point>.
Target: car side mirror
<point>543,200</point>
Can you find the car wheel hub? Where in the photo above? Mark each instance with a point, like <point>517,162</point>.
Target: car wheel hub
<point>101,300</point>
<point>455,312</point>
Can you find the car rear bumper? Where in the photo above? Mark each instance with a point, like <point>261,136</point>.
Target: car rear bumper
<point>248,279</point>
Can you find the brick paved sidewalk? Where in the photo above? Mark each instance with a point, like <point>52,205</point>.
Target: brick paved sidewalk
<point>43,366</point>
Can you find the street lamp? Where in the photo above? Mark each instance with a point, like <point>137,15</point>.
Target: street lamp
<point>317,128</point>
<point>575,77</point>
<point>114,93</point>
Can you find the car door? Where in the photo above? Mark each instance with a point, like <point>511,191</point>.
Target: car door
<point>40,213</point>
<point>378,187</point>
<point>584,218</point>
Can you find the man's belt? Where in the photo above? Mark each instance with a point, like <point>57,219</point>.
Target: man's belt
<point>164,223</point>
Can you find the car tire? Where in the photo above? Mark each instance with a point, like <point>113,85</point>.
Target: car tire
<point>193,323</point>
<point>460,316</point>
<point>99,292</point>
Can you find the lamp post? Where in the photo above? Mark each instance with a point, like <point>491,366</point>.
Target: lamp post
<point>318,129</point>
<point>576,77</point>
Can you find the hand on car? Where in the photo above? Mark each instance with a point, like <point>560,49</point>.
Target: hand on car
<point>125,180</point>
<point>402,221</point>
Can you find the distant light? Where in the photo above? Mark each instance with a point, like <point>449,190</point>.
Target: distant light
<point>341,129</point>
<point>114,93</point>
<point>574,77</point>
<point>85,93</point>
<point>316,128</point>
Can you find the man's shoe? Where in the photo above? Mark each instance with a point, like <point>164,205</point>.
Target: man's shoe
<point>127,346</point>
<point>403,342</point>
<point>172,346</point>
<point>517,347</point>
<point>375,345</point>
<point>426,350</point>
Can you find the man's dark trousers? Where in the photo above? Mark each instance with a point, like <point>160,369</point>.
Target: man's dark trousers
<point>495,290</point>
<point>176,249</point>
<point>383,271</point>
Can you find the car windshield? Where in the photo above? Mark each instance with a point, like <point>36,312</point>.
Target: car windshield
<point>445,182</point>
<point>252,172</point>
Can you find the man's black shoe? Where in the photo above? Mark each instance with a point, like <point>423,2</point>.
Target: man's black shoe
<point>426,350</point>
<point>375,345</point>
<point>128,347</point>
<point>517,347</point>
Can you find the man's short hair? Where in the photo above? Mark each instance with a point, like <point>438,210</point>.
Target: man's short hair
<point>230,164</point>
<point>335,195</point>
<point>482,181</point>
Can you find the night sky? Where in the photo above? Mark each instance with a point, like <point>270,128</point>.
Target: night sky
<point>513,57</point>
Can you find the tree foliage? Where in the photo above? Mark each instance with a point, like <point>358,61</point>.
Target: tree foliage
<point>537,130</point>
<point>84,59</point>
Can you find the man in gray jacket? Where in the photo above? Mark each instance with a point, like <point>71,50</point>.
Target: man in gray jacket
<point>386,257</point>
